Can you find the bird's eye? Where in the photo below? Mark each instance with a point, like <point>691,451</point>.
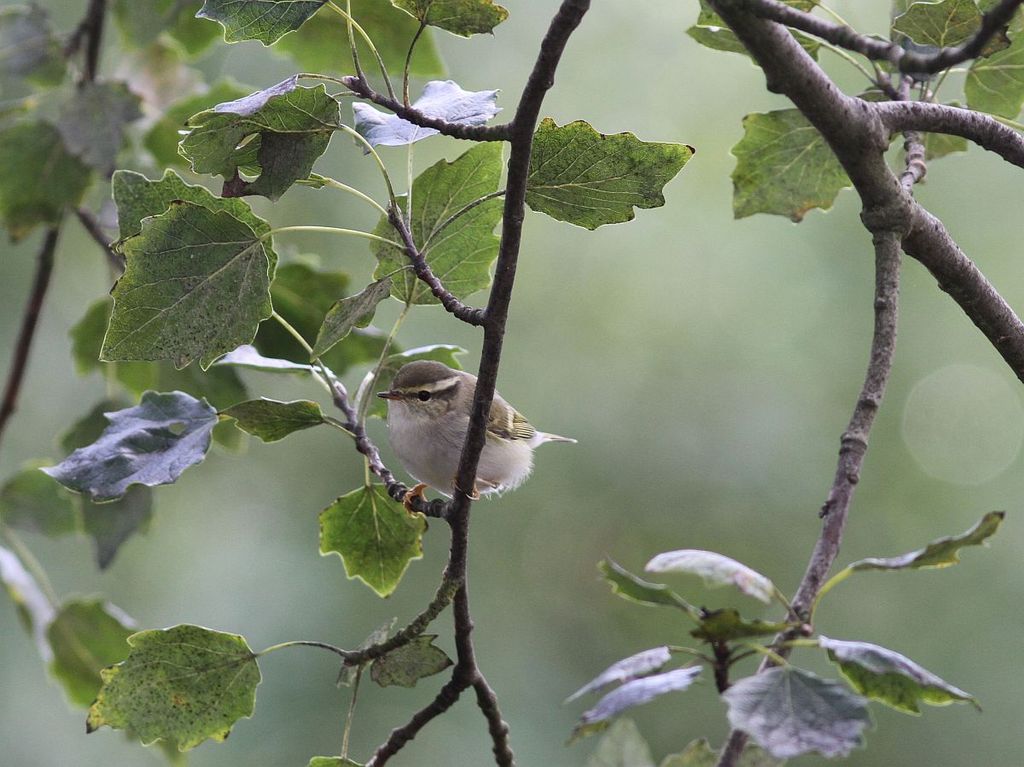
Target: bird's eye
<point>424,395</point>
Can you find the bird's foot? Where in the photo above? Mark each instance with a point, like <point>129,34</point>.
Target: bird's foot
<point>411,495</point>
<point>474,496</point>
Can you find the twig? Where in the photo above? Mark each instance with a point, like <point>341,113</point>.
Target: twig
<point>92,32</point>
<point>401,735</point>
<point>93,228</point>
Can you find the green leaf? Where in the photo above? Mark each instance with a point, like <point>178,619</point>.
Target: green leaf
<point>247,357</point>
<point>86,636</point>
<point>622,746</point>
<point>195,286</point>
<point>939,553</point>
<point>893,679</point>
<point>633,667</point>
<point>700,754</point>
<point>727,625</point>
<point>28,47</point>
<point>715,569</point>
<point>460,17</point>
<point>319,45</point>
<point>89,427</point>
<point>589,178</point>
<point>183,684</point>
<point>711,32</point>
<point>943,24</point>
<point>263,20</point>
<point>443,99</point>
<point>438,352</point>
<point>409,663</point>
<point>635,589</point>
<point>93,121</point>
<point>162,139</point>
<point>635,693</point>
<point>332,761</point>
<point>461,257</point>
<point>31,501</point>
<point>375,537</point>
<point>149,444</point>
<point>271,420</point>
<point>996,84</point>
<point>348,674</point>
<point>278,132</point>
<point>790,712</point>
<point>141,22</point>
<point>34,150</point>
<point>34,609</point>
<point>784,166</point>
<point>349,313</point>
<point>112,524</point>
<point>938,145</point>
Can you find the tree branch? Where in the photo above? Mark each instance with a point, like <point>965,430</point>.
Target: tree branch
<point>92,227</point>
<point>401,735</point>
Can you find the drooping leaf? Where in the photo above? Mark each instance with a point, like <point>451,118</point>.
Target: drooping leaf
<point>263,20</point>
<point>460,17</point>
<point>943,24</point>
<point>93,122</point>
<point>996,84</point>
<point>635,693</point>
<point>34,150</point>
<point>111,524</point>
<point>893,679</point>
<point>149,444</point>
<point>726,625</point>
<point>162,139</point>
<point>698,753</point>
<point>31,501</point>
<point>195,286</point>
<point>622,746</point>
<point>633,667</point>
<point>406,665</point>
<point>635,589</point>
<point>246,356</point>
<point>461,254</point>
<point>183,685</point>
<point>320,45</point>
<point>349,313</point>
<point>790,712</point>
<point>711,32</point>
<point>86,636</point>
<point>589,178</point>
<point>271,420</point>
<point>715,570</point>
<point>438,352</point>
<point>443,99</point>
<point>34,608</point>
<point>28,47</point>
<point>375,537</point>
<point>784,166</point>
<point>939,553</point>
<point>348,673</point>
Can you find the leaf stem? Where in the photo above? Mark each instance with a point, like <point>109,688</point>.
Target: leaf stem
<point>325,78</point>
<point>408,62</point>
<point>351,714</point>
<point>773,656</point>
<point>380,163</point>
<point>31,564</point>
<point>293,333</point>
<point>331,230</point>
<point>353,24</point>
<point>675,649</point>
<point>835,580</point>
<point>364,403</point>
<point>848,58</point>
<point>304,643</point>
<point>335,184</point>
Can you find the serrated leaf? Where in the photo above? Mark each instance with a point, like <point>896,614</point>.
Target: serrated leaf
<point>698,753</point>
<point>635,693</point>
<point>271,420</point>
<point>149,444</point>
<point>442,99</point>
<point>195,286</point>
<point>28,47</point>
<point>246,356</point>
<point>31,501</point>
<point>162,139</point>
<point>790,712</point>
<point>622,746</point>
<point>349,313</point>
<point>715,570</point>
<point>460,17</point>
<point>944,23</point>
<point>183,684</point>
<point>939,553</point>
<point>111,524</point>
<point>438,352</point>
<point>727,625</point>
<point>462,254</point>
<point>635,589</point>
<point>278,132</point>
<point>34,150</point>
<point>315,46</point>
<point>86,636</point>
<point>34,609</point>
<point>996,84</point>
<point>895,680</point>
<point>375,537</point>
<point>589,178</point>
<point>406,665</point>
<point>784,166</point>
<point>93,121</point>
<point>634,666</point>
<point>263,20</point>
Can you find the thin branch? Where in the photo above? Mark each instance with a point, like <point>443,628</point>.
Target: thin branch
<point>916,167</point>
<point>401,735</point>
<point>93,228</point>
<point>92,31</point>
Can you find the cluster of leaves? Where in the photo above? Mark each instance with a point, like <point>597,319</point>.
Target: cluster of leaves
<point>784,166</point>
<point>786,710</point>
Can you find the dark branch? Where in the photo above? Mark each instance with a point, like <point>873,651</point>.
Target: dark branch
<point>401,735</point>
<point>92,33</point>
<point>92,226</point>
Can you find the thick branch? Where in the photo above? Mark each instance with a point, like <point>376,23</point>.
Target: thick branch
<point>92,30</point>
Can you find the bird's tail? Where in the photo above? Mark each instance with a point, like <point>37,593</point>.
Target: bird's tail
<point>545,437</point>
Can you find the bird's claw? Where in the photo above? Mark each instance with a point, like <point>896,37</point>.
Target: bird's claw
<point>411,495</point>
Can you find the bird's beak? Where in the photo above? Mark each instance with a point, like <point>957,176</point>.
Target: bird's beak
<point>389,395</point>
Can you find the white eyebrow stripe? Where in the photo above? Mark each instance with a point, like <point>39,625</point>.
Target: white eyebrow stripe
<point>436,386</point>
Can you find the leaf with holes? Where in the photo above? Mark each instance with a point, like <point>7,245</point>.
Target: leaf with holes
<point>460,17</point>
<point>93,122</point>
<point>86,636</point>
<point>715,569</point>
<point>634,693</point>
<point>590,179</point>
<point>635,589</point>
<point>349,313</point>
<point>183,684</point>
<point>996,84</point>
<point>633,667</point>
<point>438,352</point>
<point>271,420</point>
<point>149,444</point>
<point>28,47</point>
<point>411,662</point>
<point>263,20</point>
<point>943,24</point>
<point>375,537</point>
<point>460,253</point>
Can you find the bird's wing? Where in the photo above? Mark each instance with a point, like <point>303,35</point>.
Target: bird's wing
<point>505,422</point>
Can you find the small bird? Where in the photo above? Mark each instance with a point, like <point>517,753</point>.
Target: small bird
<point>428,415</point>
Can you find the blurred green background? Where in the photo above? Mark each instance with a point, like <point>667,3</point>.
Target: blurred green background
<point>707,367</point>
